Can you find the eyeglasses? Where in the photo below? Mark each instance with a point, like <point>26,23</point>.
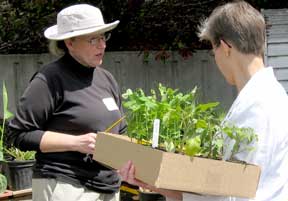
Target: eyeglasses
<point>226,43</point>
<point>96,40</point>
<point>214,47</point>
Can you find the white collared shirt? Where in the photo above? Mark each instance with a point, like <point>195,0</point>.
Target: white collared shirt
<point>262,105</point>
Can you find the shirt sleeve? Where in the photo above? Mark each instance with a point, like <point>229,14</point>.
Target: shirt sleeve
<point>34,109</point>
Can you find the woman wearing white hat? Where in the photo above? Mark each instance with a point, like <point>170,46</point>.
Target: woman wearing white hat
<point>64,106</point>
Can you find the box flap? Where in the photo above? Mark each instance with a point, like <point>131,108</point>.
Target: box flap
<point>115,150</point>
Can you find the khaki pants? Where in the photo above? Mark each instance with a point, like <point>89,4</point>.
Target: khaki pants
<point>53,190</point>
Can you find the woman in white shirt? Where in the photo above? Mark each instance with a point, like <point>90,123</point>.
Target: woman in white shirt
<point>237,33</point>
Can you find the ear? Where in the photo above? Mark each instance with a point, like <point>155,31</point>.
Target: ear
<point>68,43</point>
<point>226,47</point>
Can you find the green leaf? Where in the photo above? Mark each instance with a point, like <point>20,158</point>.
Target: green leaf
<point>3,183</point>
<point>201,123</point>
<point>169,146</point>
<point>7,114</point>
<point>204,107</point>
<point>193,146</point>
<point>127,94</point>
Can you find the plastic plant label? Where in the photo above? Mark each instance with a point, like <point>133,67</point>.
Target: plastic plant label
<point>156,127</point>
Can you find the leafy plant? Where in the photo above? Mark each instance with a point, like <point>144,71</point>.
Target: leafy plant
<point>6,115</point>
<point>3,183</point>
<point>17,154</point>
<point>186,125</point>
<point>241,139</point>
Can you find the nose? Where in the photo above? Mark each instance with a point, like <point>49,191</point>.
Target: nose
<point>101,43</point>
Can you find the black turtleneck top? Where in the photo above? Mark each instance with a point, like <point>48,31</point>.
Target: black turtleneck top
<point>66,97</point>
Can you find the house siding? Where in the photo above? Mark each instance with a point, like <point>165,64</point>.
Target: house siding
<point>276,54</point>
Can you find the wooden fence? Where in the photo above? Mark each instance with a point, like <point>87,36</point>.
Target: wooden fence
<point>131,71</point>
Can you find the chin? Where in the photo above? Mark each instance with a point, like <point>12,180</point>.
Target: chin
<point>96,64</point>
<point>99,62</point>
<point>231,82</point>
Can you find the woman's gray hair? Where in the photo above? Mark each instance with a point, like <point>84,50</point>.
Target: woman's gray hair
<point>57,48</point>
<point>237,23</point>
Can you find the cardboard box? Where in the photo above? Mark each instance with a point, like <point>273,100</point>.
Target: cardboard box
<point>177,171</point>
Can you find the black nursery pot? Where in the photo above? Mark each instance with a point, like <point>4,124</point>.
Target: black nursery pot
<point>20,174</point>
<point>150,196</point>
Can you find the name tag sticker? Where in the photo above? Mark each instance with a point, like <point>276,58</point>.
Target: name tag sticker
<point>110,104</point>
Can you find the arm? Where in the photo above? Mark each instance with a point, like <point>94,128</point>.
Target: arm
<point>27,129</point>
<point>59,142</point>
<point>34,109</point>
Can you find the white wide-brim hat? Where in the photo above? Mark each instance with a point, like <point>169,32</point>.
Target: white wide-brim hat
<point>78,20</point>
